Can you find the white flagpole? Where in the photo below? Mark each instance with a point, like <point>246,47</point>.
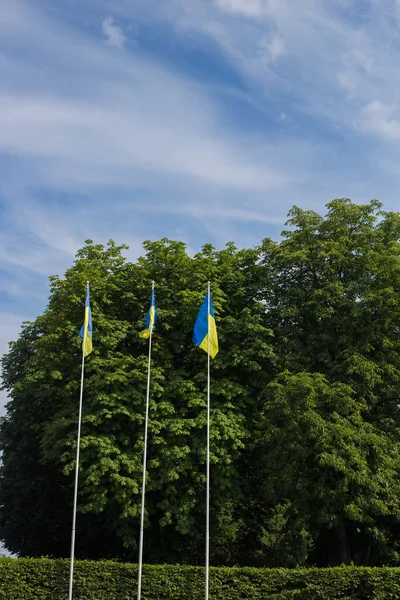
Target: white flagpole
<point>71,570</point>
<point>208,449</point>
<point>139,595</point>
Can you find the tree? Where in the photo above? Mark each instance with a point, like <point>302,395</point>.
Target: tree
<point>305,401</point>
<point>112,426</point>
<point>332,290</point>
<point>341,475</point>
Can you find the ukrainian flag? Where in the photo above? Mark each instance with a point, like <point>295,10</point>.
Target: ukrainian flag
<point>86,332</point>
<point>204,326</point>
<point>151,318</point>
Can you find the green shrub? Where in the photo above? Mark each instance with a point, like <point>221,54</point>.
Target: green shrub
<point>46,579</point>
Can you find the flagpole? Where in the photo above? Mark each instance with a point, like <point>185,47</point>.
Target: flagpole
<point>71,570</point>
<point>144,463</point>
<point>208,448</point>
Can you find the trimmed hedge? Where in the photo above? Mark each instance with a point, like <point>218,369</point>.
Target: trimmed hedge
<point>46,579</point>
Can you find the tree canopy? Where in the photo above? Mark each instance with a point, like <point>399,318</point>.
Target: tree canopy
<point>305,416</point>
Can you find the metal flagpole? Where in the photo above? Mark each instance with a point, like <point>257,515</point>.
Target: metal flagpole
<point>208,448</point>
<point>144,465</point>
<point>71,570</point>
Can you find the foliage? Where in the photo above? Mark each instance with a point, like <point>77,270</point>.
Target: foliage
<point>44,579</point>
<point>305,410</point>
<point>332,417</point>
<point>341,473</point>
<point>115,384</point>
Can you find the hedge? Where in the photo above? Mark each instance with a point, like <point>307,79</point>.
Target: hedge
<point>46,579</point>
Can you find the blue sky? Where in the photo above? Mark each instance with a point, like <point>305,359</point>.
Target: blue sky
<point>199,120</point>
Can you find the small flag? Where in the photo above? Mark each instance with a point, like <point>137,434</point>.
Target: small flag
<point>151,318</point>
<point>86,332</point>
<point>202,326</point>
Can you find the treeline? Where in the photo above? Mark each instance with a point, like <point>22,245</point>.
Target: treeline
<point>305,397</point>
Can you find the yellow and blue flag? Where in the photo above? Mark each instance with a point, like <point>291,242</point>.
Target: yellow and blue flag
<point>206,326</point>
<point>86,332</point>
<point>151,318</point>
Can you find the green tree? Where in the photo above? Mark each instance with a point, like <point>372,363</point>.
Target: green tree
<point>115,380</point>
<point>332,292</point>
<point>341,475</point>
<point>305,401</point>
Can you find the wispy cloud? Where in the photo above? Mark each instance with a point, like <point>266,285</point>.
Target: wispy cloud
<point>113,33</point>
<point>271,49</point>
<point>152,137</point>
<point>380,119</point>
<point>250,8</point>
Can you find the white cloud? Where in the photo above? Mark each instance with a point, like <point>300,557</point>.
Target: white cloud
<point>121,125</point>
<point>80,118</point>
<point>113,33</point>
<point>250,8</point>
<point>218,213</point>
<point>39,126</point>
<point>334,65</point>
<point>261,8</point>
<point>381,120</point>
<point>348,82</point>
<point>132,119</point>
<point>270,49</point>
